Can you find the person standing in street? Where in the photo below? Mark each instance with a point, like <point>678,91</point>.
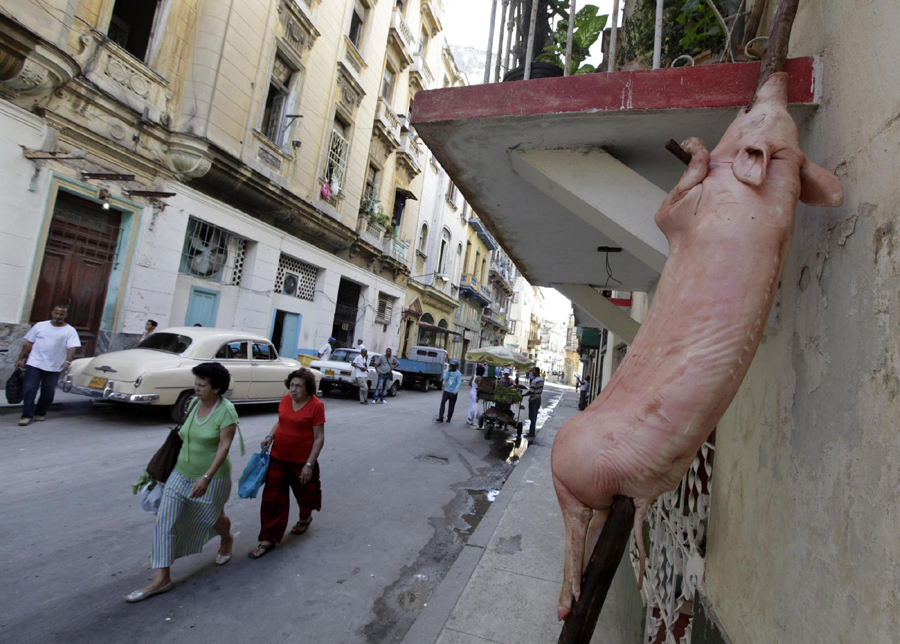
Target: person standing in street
<point>584,389</point>
<point>360,375</point>
<point>48,351</point>
<point>360,345</point>
<point>452,382</point>
<point>327,348</point>
<point>296,440</point>
<point>192,510</point>
<point>472,416</point>
<point>149,328</point>
<point>535,389</point>
<point>384,367</point>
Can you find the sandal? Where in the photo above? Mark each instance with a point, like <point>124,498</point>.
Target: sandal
<point>301,526</point>
<point>263,551</point>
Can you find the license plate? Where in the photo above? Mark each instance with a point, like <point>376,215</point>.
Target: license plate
<point>329,372</point>
<point>98,383</point>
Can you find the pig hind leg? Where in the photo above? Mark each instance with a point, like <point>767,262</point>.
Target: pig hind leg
<point>593,534</point>
<point>576,516</point>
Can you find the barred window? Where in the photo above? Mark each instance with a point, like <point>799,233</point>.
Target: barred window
<point>338,151</point>
<point>212,253</point>
<point>296,278</point>
<point>385,309</point>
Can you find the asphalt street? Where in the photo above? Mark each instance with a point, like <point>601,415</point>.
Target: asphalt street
<point>400,495</point>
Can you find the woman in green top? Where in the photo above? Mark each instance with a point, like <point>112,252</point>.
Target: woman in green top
<point>192,508</point>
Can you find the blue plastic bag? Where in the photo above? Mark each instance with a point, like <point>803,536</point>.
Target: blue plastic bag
<point>254,475</point>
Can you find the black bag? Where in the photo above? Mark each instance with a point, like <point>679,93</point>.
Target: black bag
<point>14,387</point>
<point>163,462</point>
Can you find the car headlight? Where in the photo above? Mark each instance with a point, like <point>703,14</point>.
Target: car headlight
<point>137,383</point>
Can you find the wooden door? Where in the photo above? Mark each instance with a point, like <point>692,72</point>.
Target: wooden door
<point>203,308</point>
<point>77,263</point>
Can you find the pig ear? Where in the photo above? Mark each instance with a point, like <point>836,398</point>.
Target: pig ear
<point>750,164</point>
<point>819,187</point>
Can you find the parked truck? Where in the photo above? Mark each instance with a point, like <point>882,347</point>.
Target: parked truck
<point>424,368</point>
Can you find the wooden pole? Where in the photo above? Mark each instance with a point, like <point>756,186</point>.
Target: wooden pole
<point>777,46</point>
<point>598,575</point>
<point>611,64</point>
<point>529,51</point>
<point>497,65</point>
<point>569,36</point>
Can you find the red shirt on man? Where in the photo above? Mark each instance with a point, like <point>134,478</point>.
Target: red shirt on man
<point>294,438</point>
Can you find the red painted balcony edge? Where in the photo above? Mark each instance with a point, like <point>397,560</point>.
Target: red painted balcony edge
<point>704,86</point>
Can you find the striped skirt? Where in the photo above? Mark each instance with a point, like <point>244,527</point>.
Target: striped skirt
<point>184,525</point>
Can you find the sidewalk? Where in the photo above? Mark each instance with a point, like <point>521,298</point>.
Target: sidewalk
<point>505,583</point>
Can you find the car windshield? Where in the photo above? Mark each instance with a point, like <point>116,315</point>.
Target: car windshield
<point>343,355</point>
<point>168,342</point>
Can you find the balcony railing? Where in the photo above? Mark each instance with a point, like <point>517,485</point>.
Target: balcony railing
<point>372,233</point>
<point>387,124</point>
<point>468,283</point>
<point>514,49</point>
<point>409,154</point>
<point>492,315</point>
<point>397,249</point>
<point>421,68</point>
<point>402,37</point>
<point>501,272</point>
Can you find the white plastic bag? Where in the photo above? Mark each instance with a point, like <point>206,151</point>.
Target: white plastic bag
<point>151,496</point>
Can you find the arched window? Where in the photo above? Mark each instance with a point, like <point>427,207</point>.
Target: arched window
<point>423,238</point>
<point>445,251</point>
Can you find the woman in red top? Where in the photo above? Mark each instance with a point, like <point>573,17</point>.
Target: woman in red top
<point>296,440</point>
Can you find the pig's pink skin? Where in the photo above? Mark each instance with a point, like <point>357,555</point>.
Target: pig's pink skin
<point>729,224</point>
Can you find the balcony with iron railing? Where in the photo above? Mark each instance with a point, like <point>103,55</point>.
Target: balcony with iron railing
<point>369,232</point>
<point>495,317</point>
<point>468,285</point>
<point>500,273</point>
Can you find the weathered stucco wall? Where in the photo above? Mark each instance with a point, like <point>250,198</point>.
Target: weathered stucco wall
<point>804,541</point>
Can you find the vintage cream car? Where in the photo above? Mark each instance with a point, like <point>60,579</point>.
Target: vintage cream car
<point>158,370</point>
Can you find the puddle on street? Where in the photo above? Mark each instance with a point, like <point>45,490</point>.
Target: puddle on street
<point>479,502</point>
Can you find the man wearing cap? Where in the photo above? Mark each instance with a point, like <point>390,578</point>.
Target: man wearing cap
<point>327,348</point>
<point>452,382</point>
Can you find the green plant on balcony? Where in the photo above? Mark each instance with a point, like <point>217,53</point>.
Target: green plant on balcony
<point>588,27</point>
<point>689,27</point>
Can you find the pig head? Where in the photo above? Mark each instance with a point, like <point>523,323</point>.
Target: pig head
<point>729,223</point>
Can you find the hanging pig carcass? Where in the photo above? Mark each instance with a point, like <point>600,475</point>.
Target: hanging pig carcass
<point>729,224</point>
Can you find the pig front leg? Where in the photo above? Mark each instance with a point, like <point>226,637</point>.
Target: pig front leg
<point>576,516</point>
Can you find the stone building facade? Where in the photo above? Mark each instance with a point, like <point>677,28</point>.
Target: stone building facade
<point>231,164</point>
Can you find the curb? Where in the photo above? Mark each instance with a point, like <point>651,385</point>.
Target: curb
<point>433,618</point>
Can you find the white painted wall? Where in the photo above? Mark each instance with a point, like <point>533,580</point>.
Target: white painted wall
<point>21,210</point>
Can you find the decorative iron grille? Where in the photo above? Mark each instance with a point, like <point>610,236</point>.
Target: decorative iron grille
<point>675,558</point>
<point>296,278</point>
<point>338,149</point>
<point>212,253</point>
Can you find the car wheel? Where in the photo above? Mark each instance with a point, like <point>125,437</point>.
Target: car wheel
<point>326,389</point>
<point>393,390</point>
<point>178,412</point>
<point>426,384</point>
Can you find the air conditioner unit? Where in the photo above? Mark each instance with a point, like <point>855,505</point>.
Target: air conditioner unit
<point>291,283</point>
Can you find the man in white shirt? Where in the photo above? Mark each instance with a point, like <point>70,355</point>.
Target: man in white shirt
<point>360,345</point>
<point>48,350</point>
<point>325,351</point>
<point>361,375</point>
